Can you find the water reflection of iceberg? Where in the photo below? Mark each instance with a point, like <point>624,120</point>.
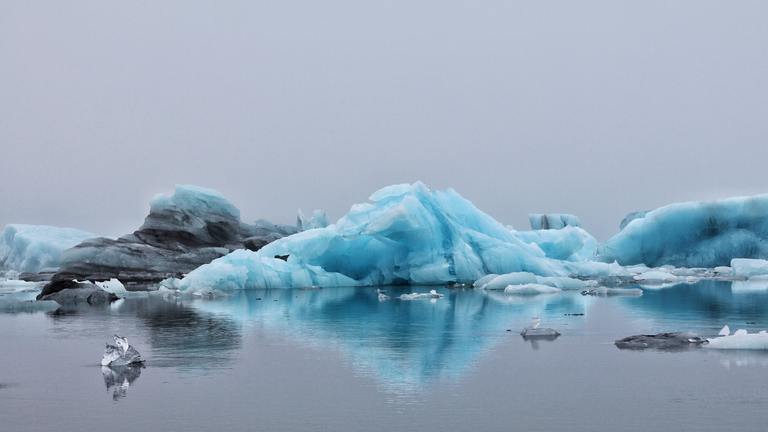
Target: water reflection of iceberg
<point>119,378</point>
<point>177,336</point>
<point>404,344</point>
<point>706,305</point>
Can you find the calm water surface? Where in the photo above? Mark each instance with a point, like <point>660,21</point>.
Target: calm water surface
<point>339,360</point>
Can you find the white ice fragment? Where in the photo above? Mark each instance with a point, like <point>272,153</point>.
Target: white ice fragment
<point>739,340</point>
<point>748,268</point>
<point>431,295</point>
<point>113,286</point>
<point>653,276</point>
<point>530,289</point>
<point>725,331</point>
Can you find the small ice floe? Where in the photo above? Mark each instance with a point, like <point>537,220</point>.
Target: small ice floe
<point>607,292</point>
<point>655,276</point>
<point>661,341</point>
<point>382,295</point>
<point>432,294</point>
<point>739,340</point>
<point>534,331</point>
<point>530,289</point>
<point>121,353</point>
<point>113,286</point>
<point>747,268</point>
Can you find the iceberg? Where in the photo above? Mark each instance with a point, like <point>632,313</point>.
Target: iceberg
<point>552,221</point>
<point>503,282</point>
<point>186,229</point>
<point>693,234</point>
<point>406,234</point>
<point>121,353</point>
<point>745,268</point>
<point>318,220</point>
<point>569,243</point>
<point>34,248</point>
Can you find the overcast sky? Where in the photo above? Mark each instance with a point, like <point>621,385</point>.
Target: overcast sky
<point>592,108</point>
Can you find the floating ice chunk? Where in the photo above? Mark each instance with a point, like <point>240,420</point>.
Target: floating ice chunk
<point>113,286</point>
<point>530,289</point>
<point>569,243</point>
<point>661,341</point>
<point>500,282</point>
<point>653,276</point>
<point>33,248</point>
<point>747,268</point>
<point>693,234</point>
<point>432,294</point>
<point>534,331</point>
<point>120,354</point>
<point>723,270</point>
<point>739,340</point>
<point>382,295</point>
<point>483,281</point>
<point>607,292</point>
<point>552,221</point>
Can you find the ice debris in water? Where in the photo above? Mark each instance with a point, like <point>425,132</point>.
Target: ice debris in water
<point>113,286</point>
<point>535,331</point>
<point>121,353</point>
<point>530,289</point>
<point>661,341</point>
<point>406,234</point>
<point>382,295</point>
<point>33,248</point>
<point>739,340</point>
<point>502,282</point>
<point>657,276</point>
<point>432,294</point>
<point>693,234</point>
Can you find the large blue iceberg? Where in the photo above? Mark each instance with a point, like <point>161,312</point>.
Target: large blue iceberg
<point>693,234</point>
<point>406,234</point>
<point>34,248</point>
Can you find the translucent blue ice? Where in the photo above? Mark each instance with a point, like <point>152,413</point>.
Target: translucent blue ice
<point>32,248</point>
<point>406,234</point>
<point>569,243</point>
<point>693,234</point>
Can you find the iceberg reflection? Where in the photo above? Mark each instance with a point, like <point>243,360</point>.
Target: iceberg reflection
<point>403,344</point>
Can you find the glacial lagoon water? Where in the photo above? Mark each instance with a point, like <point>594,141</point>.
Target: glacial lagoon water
<point>338,359</point>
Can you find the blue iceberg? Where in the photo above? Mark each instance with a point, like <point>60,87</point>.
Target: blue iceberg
<point>406,234</point>
<point>569,243</point>
<point>33,248</point>
<point>693,234</point>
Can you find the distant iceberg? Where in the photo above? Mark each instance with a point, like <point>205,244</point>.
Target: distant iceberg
<point>552,221</point>
<point>569,243</point>
<point>693,234</point>
<point>33,248</point>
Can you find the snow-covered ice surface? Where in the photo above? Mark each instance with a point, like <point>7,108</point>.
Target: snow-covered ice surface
<point>693,234</point>
<point>32,248</point>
